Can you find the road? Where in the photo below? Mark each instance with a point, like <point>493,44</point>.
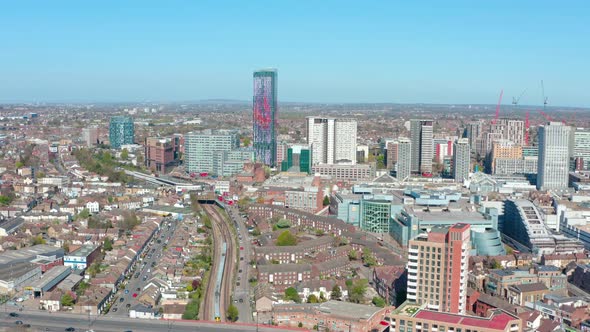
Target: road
<point>242,289</point>
<point>141,274</point>
<point>40,321</point>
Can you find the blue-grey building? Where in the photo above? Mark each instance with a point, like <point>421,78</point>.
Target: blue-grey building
<point>346,207</point>
<point>121,131</point>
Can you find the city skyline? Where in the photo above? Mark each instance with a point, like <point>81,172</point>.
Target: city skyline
<point>385,53</point>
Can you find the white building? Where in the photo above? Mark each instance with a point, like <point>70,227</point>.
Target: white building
<point>93,207</point>
<point>404,158</point>
<point>461,160</point>
<point>332,141</point>
<point>553,171</point>
<point>582,145</point>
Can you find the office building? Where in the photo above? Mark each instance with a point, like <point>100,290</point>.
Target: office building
<point>404,164</point>
<point>473,131</point>
<point>512,130</point>
<point>442,148</point>
<point>421,132</point>
<point>161,153</point>
<point>582,146</point>
<point>391,154</point>
<point>502,149</point>
<point>204,150</point>
<point>437,268</point>
<point>509,166</point>
<point>90,136</point>
<point>121,131</point>
<point>332,141</point>
<point>461,160</point>
<point>265,116</point>
<point>554,139</point>
<point>361,172</point>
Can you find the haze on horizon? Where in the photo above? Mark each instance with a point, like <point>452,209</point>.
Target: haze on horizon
<point>456,52</point>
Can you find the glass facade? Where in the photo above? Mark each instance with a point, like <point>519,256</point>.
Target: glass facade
<point>121,131</point>
<point>375,215</point>
<point>305,161</point>
<point>265,107</point>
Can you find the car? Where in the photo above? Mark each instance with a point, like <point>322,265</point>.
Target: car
<point>115,309</point>
<point>241,300</point>
<point>70,329</point>
<point>138,289</point>
<point>19,322</point>
<point>121,299</point>
<point>13,314</point>
<point>241,248</point>
<point>241,258</point>
<point>240,271</point>
<point>235,301</point>
<point>128,305</point>
<point>238,283</point>
<point>149,270</point>
<point>239,278</point>
<point>126,291</point>
<point>137,275</point>
<point>134,295</point>
<point>26,326</point>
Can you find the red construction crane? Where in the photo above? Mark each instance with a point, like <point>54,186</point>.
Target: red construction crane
<point>547,117</point>
<point>526,129</point>
<point>498,107</point>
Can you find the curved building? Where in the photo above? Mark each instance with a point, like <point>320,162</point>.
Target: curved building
<point>488,243</point>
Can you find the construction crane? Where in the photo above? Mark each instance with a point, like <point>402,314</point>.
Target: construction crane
<point>516,100</point>
<point>498,107</point>
<point>544,98</point>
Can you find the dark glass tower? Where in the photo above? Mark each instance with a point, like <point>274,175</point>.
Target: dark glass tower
<point>265,108</point>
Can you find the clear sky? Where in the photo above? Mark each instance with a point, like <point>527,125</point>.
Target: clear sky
<point>325,51</point>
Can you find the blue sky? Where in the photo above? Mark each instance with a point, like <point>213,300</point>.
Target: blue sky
<point>325,51</point>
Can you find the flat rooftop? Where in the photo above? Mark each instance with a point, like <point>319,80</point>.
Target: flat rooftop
<point>50,276</point>
<point>29,253</point>
<point>17,270</point>
<point>84,250</point>
<point>349,310</point>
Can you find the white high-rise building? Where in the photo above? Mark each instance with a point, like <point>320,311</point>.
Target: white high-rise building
<point>404,158</point>
<point>553,171</point>
<point>421,132</point>
<point>582,145</point>
<point>510,129</point>
<point>461,160</point>
<point>332,141</point>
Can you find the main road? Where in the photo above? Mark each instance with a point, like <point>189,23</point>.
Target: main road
<point>44,321</point>
<point>242,290</point>
<point>142,273</point>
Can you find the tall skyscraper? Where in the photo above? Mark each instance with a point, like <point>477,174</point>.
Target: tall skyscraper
<point>404,158</point>
<point>121,131</point>
<point>582,146</point>
<point>554,140</point>
<point>421,132</point>
<point>265,116</point>
<point>438,266</point>
<point>204,150</point>
<point>331,140</point>
<point>510,129</point>
<point>461,160</point>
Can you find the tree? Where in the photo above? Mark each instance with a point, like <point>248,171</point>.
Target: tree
<point>130,220</point>
<point>40,175</point>
<point>369,258</point>
<point>300,325</point>
<point>84,214</point>
<point>38,240</point>
<point>336,293</point>
<point>352,255</point>
<point>232,313</point>
<point>379,301</point>
<point>283,223</point>
<point>107,244</point>
<point>246,141</point>
<point>67,300</point>
<point>286,239</point>
<point>93,269</point>
<point>292,294</point>
<point>5,200</point>
<point>124,154</point>
<point>312,299</point>
<point>326,200</point>
<point>357,292</point>
<point>189,288</point>
<point>19,164</point>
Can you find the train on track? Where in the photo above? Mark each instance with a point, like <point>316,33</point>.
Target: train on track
<point>218,280</point>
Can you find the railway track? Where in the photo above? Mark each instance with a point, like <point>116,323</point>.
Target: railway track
<point>223,237</point>
<point>208,307</point>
